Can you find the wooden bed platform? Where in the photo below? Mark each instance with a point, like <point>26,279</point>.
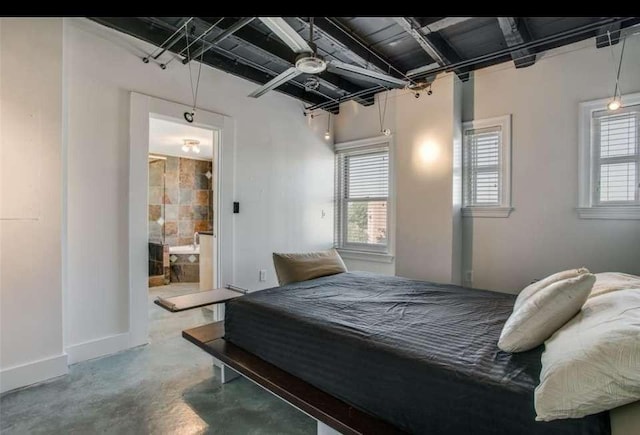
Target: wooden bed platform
<point>332,414</point>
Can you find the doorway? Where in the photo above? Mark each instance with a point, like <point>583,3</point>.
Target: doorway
<point>207,202</point>
<point>181,200</point>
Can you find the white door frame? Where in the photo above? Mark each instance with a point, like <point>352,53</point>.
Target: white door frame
<point>142,107</point>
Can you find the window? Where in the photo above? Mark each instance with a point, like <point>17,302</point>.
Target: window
<point>362,198</point>
<point>610,160</point>
<point>486,167</point>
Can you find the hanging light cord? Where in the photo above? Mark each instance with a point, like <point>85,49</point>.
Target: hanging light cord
<point>617,92</point>
<point>194,92</point>
<point>381,116</point>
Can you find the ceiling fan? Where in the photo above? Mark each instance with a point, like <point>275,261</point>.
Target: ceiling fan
<point>309,61</point>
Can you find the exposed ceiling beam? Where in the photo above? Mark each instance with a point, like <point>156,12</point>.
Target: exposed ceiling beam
<point>230,54</point>
<point>604,32</point>
<point>351,41</point>
<point>157,34</point>
<point>237,25</point>
<point>515,32</point>
<point>323,39</point>
<point>281,54</point>
<point>540,45</point>
<point>421,39</point>
<point>422,69</point>
<point>433,44</point>
<point>630,26</point>
<point>441,24</point>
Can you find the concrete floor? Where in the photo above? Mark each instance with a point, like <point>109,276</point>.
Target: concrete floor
<point>166,387</point>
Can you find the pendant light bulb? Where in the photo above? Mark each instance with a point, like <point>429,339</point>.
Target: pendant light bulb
<point>185,148</point>
<point>614,104</point>
<point>196,149</point>
<point>327,134</point>
<point>616,101</point>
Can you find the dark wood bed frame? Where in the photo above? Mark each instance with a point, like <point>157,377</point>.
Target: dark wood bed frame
<point>321,406</point>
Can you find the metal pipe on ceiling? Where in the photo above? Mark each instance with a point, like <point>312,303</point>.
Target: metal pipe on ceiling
<point>233,28</point>
<point>243,60</point>
<point>366,47</point>
<point>164,48</point>
<point>536,43</point>
<point>483,58</point>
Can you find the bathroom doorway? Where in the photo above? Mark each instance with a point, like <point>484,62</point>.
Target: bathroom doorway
<point>144,108</point>
<point>181,201</point>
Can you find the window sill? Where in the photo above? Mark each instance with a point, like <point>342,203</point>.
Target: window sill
<point>489,212</point>
<point>620,212</point>
<point>376,257</point>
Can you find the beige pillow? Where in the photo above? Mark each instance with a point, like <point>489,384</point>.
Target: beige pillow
<point>544,312</point>
<point>539,285</point>
<point>592,364</point>
<point>302,267</point>
<point>607,282</point>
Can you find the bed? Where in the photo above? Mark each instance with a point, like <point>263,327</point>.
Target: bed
<point>418,355</point>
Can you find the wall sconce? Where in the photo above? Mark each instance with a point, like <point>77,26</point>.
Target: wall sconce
<point>428,152</point>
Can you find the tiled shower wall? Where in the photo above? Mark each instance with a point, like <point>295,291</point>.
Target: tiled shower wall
<point>183,200</point>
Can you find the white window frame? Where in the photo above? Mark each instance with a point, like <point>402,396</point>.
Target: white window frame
<point>587,208</point>
<point>362,251</point>
<point>504,209</point>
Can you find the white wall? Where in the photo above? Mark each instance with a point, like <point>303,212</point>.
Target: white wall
<point>424,183</point>
<point>284,171</point>
<point>31,345</point>
<point>424,135</point>
<point>544,233</point>
<point>75,76</point>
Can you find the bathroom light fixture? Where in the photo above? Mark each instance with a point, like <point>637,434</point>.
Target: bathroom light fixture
<point>616,101</point>
<point>191,145</point>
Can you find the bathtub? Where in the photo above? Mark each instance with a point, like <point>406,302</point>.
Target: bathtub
<point>184,250</point>
<point>184,263</point>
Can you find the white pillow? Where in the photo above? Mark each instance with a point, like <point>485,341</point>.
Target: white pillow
<point>539,285</point>
<point>592,364</point>
<point>544,312</point>
<point>612,281</point>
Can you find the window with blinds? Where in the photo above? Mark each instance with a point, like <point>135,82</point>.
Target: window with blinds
<point>482,176</point>
<point>362,191</point>
<point>616,157</point>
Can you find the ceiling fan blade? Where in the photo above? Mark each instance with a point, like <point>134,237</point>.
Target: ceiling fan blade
<point>275,82</point>
<point>287,34</point>
<point>360,73</point>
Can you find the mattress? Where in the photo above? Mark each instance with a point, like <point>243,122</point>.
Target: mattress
<point>421,356</point>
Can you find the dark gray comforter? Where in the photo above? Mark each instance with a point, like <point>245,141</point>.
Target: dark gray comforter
<point>419,355</point>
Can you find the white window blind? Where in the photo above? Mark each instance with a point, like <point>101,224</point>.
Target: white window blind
<point>482,172</point>
<point>616,159</point>
<point>362,191</point>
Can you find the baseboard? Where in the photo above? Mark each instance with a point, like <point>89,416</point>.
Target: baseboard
<point>98,347</point>
<point>33,372</point>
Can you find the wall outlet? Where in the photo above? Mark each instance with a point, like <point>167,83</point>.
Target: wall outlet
<point>468,276</point>
<point>263,275</point>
